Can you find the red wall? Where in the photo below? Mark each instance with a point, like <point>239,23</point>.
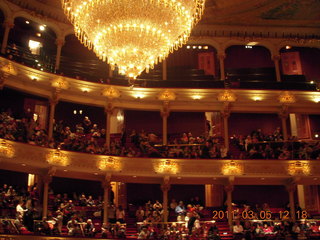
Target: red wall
<point>314,124</point>
<point>241,57</point>
<point>16,179</point>
<point>78,186</point>
<point>139,194</point>
<point>245,123</point>
<point>178,122</point>
<point>275,196</point>
<point>310,58</point>
<point>64,111</point>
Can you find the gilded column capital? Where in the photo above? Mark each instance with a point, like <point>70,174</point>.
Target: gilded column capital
<point>60,42</point>
<point>8,24</point>
<point>221,56</point>
<point>165,186</point>
<point>54,99</point>
<point>109,109</point>
<point>229,188</point>
<point>2,81</point>
<point>276,57</point>
<point>284,112</point>
<point>226,110</point>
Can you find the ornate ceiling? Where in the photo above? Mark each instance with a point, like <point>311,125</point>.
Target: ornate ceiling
<point>295,13</point>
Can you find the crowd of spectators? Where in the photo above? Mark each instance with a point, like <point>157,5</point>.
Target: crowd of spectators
<point>258,145</point>
<point>89,138</point>
<point>276,230</point>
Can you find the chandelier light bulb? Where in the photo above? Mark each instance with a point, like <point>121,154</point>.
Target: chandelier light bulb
<point>133,35</point>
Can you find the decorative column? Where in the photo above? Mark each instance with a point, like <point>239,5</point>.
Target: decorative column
<point>164,70</point>
<point>226,114</point>
<point>165,187</point>
<point>47,179</point>
<point>229,189</point>
<point>109,111</point>
<point>283,115</point>
<point>8,25</point>
<point>59,42</point>
<point>53,102</point>
<point>106,188</point>
<point>276,58</point>
<point>165,114</point>
<point>214,195</point>
<point>221,58</point>
<point>291,188</point>
<point>301,196</point>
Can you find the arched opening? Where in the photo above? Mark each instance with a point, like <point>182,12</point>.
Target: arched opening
<point>249,64</point>
<point>2,18</point>
<point>300,64</point>
<point>32,44</point>
<point>77,61</point>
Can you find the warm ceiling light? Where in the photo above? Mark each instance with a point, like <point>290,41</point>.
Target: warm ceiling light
<point>6,149</point>
<point>139,95</point>
<point>257,98</point>
<point>312,82</point>
<point>27,22</point>
<point>167,166</point>
<point>252,43</point>
<point>196,97</point>
<point>288,47</point>
<point>57,157</point>
<point>38,34</point>
<point>205,47</point>
<point>42,28</point>
<point>109,164</point>
<point>134,35</point>
<point>232,168</point>
<point>85,89</point>
<point>200,47</point>
<point>299,168</point>
<point>188,47</point>
<point>316,99</point>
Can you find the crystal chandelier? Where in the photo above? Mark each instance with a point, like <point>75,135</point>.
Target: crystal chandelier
<point>6,149</point>
<point>133,34</point>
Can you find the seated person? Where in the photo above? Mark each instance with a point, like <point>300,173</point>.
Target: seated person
<point>73,227</point>
<point>238,229</point>
<point>89,229</point>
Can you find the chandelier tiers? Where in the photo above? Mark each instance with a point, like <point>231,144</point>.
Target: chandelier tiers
<point>133,35</point>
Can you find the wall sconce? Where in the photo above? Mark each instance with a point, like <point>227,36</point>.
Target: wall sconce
<point>287,98</point>
<point>57,157</point>
<point>232,168</point>
<point>6,149</point>
<point>299,168</point>
<point>167,166</point>
<point>227,96</point>
<point>60,83</point>
<point>111,92</point>
<point>167,95</point>
<point>110,164</point>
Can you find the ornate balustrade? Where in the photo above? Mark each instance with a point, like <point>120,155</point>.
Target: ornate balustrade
<point>38,160</point>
